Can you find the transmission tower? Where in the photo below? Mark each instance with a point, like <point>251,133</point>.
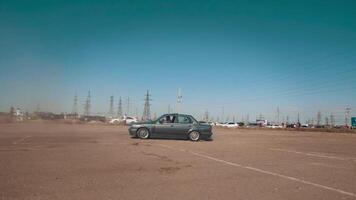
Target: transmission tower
<point>179,100</point>
<point>206,116</point>
<point>87,105</point>
<point>326,121</point>
<point>287,119</point>
<point>119,109</point>
<point>278,115</point>
<point>222,114</point>
<point>111,107</point>
<point>75,105</point>
<point>347,116</point>
<point>128,106</point>
<point>260,117</point>
<point>146,110</point>
<point>332,120</point>
<point>169,108</point>
<point>318,118</point>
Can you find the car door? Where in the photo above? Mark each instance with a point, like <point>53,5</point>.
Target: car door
<point>164,128</point>
<point>183,126</point>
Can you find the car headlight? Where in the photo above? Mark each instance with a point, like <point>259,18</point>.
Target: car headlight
<point>135,125</point>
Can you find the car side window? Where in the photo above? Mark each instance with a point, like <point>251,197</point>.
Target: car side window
<point>168,119</point>
<point>184,120</point>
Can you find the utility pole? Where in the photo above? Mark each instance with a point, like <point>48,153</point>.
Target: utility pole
<point>179,100</point>
<point>111,108</point>
<point>298,118</point>
<point>87,105</point>
<point>119,109</point>
<point>248,119</point>
<point>146,110</point>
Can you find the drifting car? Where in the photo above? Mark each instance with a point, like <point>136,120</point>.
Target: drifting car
<point>172,126</point>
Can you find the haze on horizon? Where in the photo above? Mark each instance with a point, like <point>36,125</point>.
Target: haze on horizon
<point>238,56</point>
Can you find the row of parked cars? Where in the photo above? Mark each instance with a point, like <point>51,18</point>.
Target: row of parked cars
<point>127,120</point>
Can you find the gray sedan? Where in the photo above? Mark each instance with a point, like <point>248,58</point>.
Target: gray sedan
<point>172,126</point>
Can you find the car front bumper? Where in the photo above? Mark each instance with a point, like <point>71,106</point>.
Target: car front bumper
<point>206,134</point>
<point>132,131</point>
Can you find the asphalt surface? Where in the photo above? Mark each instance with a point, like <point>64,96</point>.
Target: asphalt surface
<point>59,161</point>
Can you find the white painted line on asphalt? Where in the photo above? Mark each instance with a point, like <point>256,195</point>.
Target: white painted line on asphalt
<point>20,140</point>
<point>313,154</point>
<point>264,171</point>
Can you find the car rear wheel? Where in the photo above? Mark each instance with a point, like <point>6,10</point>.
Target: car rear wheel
<point>143,133</point>
<point>194,136</point>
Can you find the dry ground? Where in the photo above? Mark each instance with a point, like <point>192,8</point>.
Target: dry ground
<point>59,161</point>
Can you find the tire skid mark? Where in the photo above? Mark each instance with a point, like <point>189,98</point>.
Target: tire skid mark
<point>19,141</point>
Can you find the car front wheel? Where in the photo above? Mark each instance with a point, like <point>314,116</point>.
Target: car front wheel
<point>194,136</point>
<point>143,133</point>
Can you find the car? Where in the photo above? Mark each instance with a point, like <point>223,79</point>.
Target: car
<point>231,125</point>
<point>274,126</point>
<point>130,120</point>
<point>125,120</point>
<point>116,121</point>
<point>174,125</point>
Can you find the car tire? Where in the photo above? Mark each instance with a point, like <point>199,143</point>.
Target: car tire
<point>143,133</point>
<point>194,136</point>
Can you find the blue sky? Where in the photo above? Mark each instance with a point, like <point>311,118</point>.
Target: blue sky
<point>246,57</point>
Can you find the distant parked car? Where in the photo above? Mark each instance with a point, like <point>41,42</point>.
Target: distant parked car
<point>125,120</point>
<point>172,126</point>
<point>231,125</point>
<point>305,125</point>
<point>218,124</point>
<point>274,126</point>
<point>129,120</point>
<point>116,121</point>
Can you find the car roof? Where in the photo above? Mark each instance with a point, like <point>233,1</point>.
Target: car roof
<point>177,114</point>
